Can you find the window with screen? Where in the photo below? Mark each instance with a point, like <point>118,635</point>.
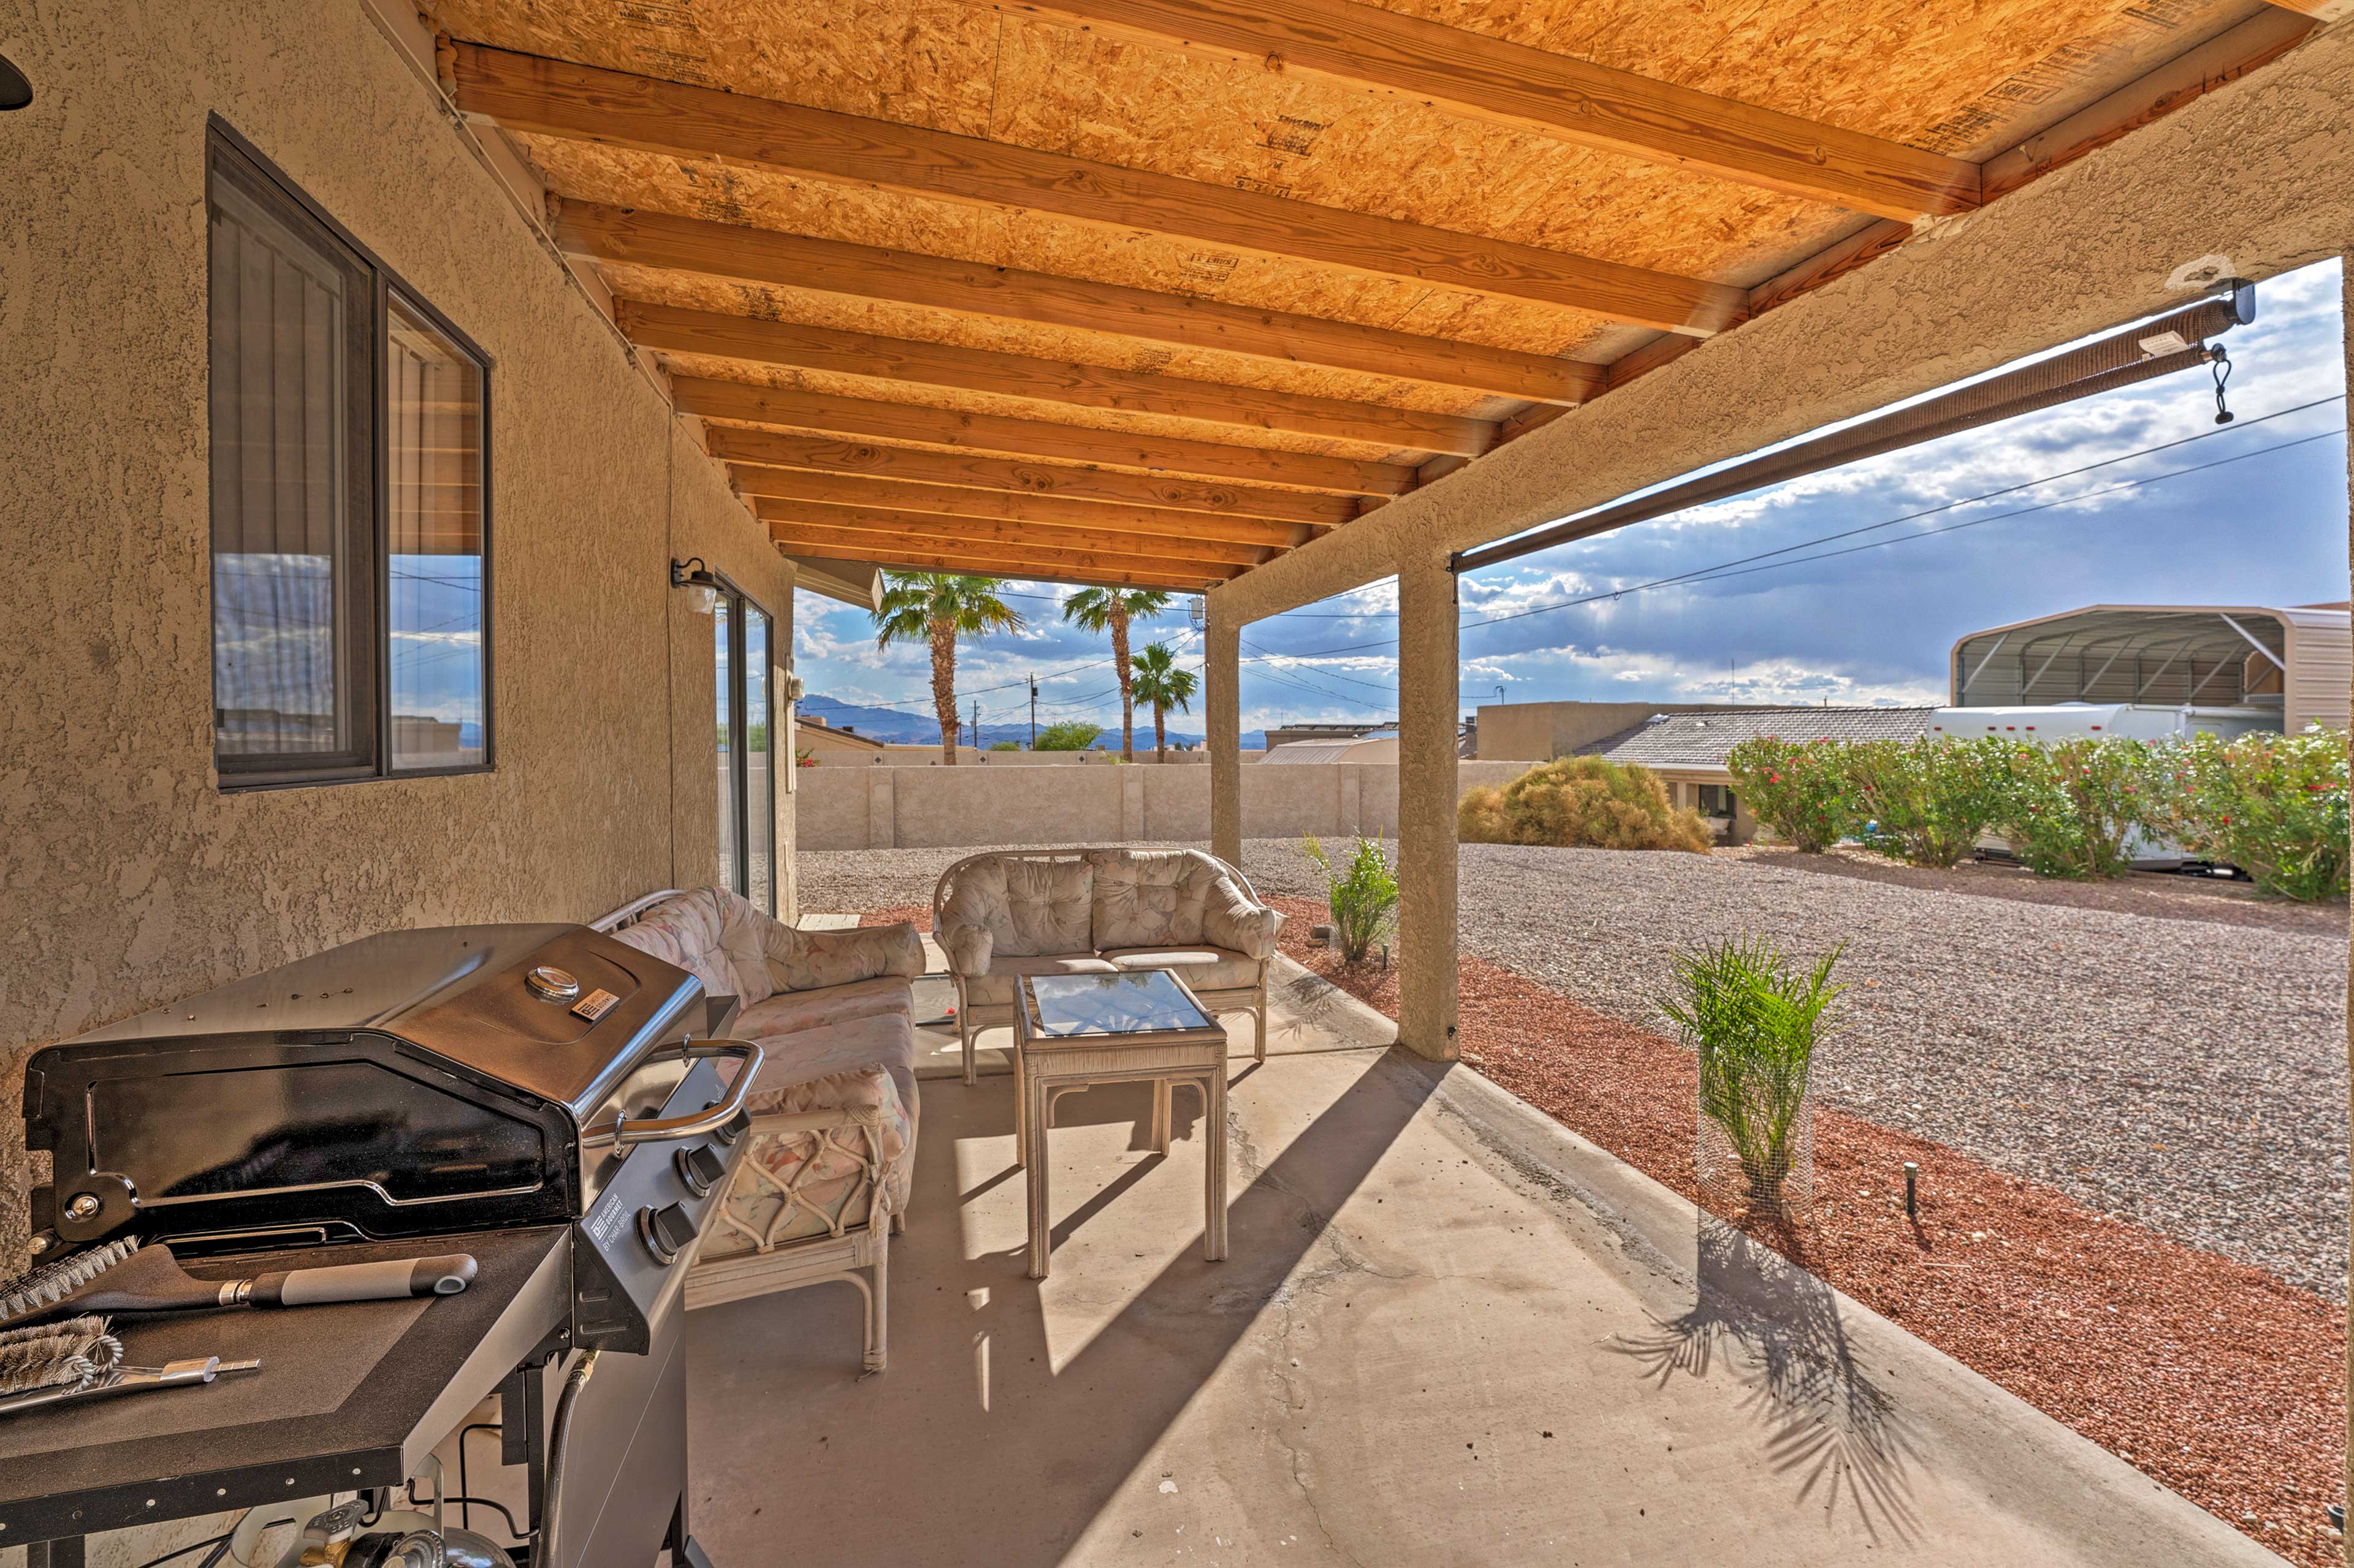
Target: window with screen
<point>350,502</point>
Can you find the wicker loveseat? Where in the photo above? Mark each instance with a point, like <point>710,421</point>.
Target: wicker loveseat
<point>1010,913</point>
<point>833,1142</point>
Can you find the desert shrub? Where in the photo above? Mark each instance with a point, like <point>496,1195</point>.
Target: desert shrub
<point>2072,809</point>
<point>2272,805</point>
<point>1587,801</point>
<point>1004,745</point>
<point>1755,1019</point>
<point>1926,800</point>
<point>1363,895</point>
<point>1797,789</point>
<point>1070,734</point>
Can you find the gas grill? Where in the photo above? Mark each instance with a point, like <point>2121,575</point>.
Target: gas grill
<point>408,1084</point>
<point>544,1082</point>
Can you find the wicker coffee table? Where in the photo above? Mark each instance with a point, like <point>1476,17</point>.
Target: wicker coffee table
<point>1072,1032</point>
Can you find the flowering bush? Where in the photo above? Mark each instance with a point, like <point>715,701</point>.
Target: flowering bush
<point>2272,805</point>
<point>1798,790</point>
<point>1928,800</point>
<point>2072,809</point>
<point>1581,800</point>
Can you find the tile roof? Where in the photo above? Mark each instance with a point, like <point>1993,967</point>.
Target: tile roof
<point>1701,739</point>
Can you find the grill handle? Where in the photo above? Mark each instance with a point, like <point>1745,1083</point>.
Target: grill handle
<point>624,1133</point>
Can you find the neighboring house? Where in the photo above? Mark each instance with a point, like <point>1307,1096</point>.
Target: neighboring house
<point>1336,749</point>
<point>820,744</point>
<point>1687,749</point>
<point>1283,734</point>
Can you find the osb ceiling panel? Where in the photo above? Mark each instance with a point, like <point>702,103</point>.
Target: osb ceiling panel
<point>623,177</point>
<point>1960,77</point>
<point>1145,425</point>
<point>887,319</point>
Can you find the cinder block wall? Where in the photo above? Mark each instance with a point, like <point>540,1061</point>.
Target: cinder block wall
<point>931,808</point>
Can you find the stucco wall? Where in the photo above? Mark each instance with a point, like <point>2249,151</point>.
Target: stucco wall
<point>913,807</point>
<point>130,878</point>
<point>1539,732</point>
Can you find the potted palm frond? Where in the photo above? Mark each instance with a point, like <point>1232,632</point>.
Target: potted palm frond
<point>1755,1017</point>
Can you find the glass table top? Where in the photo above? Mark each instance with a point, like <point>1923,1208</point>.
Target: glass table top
<point>1135,1002</point>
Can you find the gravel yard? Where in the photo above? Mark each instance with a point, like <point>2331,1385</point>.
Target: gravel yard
<point>2186,1074</point>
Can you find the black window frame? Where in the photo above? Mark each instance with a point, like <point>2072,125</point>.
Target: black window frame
<point>368,535</point>
<point>739,720</point>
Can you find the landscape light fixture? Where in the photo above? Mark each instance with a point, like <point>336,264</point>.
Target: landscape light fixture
<point>702,588</point>
<point>1911,1199</point>
<point>15,91</point>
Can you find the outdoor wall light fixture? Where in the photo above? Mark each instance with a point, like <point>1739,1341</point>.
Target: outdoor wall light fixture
<point>15,91</point>
<point>702,588</point>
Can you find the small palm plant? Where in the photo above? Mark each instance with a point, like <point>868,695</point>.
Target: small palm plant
<point>1363,898</point>
<point>936,609</point>
<point>1755,1017</point>
<point>1161,685</point>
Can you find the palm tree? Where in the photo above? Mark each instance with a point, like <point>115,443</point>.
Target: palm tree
<point>937,608</point>
<point>1161,685</point>
<point>1101,610</point>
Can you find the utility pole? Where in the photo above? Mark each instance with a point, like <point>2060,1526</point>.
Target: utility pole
<point>976,723</point>
<point>1033,713</point>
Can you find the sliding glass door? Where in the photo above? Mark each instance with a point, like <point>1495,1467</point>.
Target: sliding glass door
<point>747,783</point>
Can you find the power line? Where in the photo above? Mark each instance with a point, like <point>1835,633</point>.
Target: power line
<point>1701,573</point>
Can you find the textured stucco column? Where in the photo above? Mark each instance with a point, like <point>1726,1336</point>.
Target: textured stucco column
<point>2346,303</point>
<point>1428,717</point>
<point>1223,710</point>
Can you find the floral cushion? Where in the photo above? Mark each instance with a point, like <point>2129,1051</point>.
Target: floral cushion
<point>1026,906</point>
<point>788,1011</point>
<point>995,989</point>
<point>713,933</point>
<point>1149,898</point>
<point>800,1184</point>
<point>812,960</point>
<point>1204,968</point>
<point>885,1040</point>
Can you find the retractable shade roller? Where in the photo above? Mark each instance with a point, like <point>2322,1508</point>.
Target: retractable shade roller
<point>2144,353</point>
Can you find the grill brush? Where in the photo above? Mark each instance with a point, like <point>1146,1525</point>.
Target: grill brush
<point>123,1276</point>
<point>75,1351</point>
<point>128,1380</point>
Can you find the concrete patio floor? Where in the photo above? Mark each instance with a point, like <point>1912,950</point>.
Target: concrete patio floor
<point>1450,1331</point>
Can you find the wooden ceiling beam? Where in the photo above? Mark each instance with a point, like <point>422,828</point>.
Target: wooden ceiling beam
<point>1121,571</point>
<point>558,98</point>
<point>1006,506</point>
<point>767,256</point>
<point>1013,476</point>
<point>759,341</point>
<point>987,534</point>
<point>746,404</point>
<point>1479,77</point>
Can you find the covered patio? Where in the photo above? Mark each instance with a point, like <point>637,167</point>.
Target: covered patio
<point>1258,303</point>
<point>1449,1331</point>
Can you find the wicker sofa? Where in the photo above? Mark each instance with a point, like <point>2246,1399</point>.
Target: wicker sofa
<point>831,1148</point>
<point>1010,913</point>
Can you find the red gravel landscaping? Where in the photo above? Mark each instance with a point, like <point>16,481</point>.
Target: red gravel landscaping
<point>2212,1378</point>
<point>2208,1376</point>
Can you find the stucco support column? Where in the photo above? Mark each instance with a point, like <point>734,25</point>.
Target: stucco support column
<point>1429,714</point>
<point>2346,320</point>
<point>1223,711</point>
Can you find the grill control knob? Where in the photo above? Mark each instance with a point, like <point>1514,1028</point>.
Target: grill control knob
<point>737,1125</point>
<point>700,1168</point>
<point>666,1231</point>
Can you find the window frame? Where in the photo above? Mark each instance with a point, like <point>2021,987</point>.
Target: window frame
<point>740,720</point>
<point>373,704</point>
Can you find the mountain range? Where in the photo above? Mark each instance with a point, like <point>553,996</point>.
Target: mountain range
<point>898,728</point>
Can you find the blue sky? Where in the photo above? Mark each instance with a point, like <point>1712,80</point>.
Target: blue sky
<point>1868,627</point>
